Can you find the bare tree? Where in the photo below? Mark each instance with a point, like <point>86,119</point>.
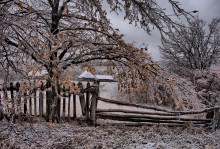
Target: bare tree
<point>193,47</point>
<point>58,34</point>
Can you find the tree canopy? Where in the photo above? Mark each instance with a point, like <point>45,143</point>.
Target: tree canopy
<point>58,34</point>
<point>193,47</point>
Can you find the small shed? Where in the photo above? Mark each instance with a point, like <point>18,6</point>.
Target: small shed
<point>88,76</point>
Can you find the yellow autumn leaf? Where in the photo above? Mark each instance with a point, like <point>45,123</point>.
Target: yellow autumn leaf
<point>20,3</point>
<point>36,39</point>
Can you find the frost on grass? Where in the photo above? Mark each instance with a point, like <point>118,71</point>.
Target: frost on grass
<point>72,135</point>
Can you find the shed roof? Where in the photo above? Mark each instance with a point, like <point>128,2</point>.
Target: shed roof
<point>86,75</point>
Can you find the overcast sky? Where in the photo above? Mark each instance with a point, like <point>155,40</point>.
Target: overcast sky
<point>207,10</point>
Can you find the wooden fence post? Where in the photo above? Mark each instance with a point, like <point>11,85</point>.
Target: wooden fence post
<point>30,103</point>
<point>217,115</point>
<point>12,94</point>
<point>58,103</point>
<point>48,102</point>
<point>218,121</point>
<point>87,100</point>
<point>25,99</point>
<point>64,101</point>
<point>216,118</point>
<point>0,98</point>
<point>41,105</point>
<point>74,103</point>
<point>94,106</point>
<point>35,100</point>
<point>82,98</point>
<point>68,104</point>
<point>17,86</point>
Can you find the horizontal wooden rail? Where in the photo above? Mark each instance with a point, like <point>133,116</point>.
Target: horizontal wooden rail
<point>152,117</point>
<point>135,112</point>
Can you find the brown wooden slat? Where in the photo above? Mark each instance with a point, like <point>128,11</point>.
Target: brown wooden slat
<point>136,112</point>
<point>153,117</point>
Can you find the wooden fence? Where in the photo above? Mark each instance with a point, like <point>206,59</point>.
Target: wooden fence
<point>149,115</point>
<point>35,103</point>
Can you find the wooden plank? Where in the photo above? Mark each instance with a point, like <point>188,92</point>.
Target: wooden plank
<point>48,101</point>
<point>64,101</point>
<point>71,105</point>
<point>22,104</point>
<point>87,101</point>
<point>74,106</point>
<point>30,103</point>
<point>12,94</point>
<point>44,102</point>
<point>152,117</point>
<point>40,100</point>
<point>216,118</point>
<point>37,101</point>
<point>17,87</point>
<point>135,112</point>
<point>78,107</point>
<point>138,124</point>
<point>74,103</point>
<point>82,103</point>
<point>68,107</point>
<point>33,104</point>
<point>82,98</point>
<point>15,101</point>
<point>41,104</point>
<point>94,107</point>
<point>9,98</point>
<point>61,105</point>
<point>25,103</point>
<point>58,102</point>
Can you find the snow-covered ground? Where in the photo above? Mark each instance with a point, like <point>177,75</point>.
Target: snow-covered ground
<point>79,136</point>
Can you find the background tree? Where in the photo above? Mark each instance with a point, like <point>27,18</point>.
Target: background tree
<point>58,34</point>
<point>193,47</point>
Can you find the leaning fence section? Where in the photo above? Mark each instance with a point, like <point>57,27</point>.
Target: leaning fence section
<point>149,115</point>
